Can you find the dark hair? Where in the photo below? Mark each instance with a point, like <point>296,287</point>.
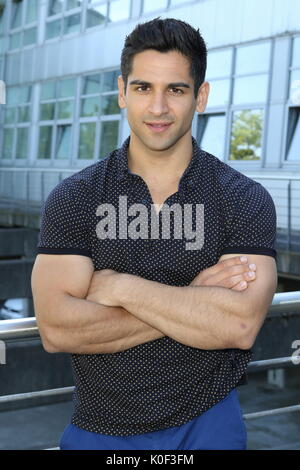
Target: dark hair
<point>164,36</point>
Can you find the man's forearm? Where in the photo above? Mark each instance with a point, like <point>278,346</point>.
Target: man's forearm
<point>86,327</point>
<point>201,317</point>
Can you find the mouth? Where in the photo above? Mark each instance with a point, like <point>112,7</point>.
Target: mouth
<point>158,126</point>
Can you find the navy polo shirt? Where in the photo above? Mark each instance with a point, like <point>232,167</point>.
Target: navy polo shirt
<point>161,383</point>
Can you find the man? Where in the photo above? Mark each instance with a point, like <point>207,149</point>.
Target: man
<point>159,313</point>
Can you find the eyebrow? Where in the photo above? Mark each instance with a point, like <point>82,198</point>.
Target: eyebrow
<point>172,85</point>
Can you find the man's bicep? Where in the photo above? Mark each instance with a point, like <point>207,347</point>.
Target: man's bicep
<point>259,294</point>
<point>69,274</point>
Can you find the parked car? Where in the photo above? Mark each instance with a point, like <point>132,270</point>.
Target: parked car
<point>12,309</point>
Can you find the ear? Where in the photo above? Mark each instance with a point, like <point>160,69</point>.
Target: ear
<point>121,96</point>
<point>202,97</point>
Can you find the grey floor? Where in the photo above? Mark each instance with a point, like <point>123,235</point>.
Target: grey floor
<point>40,427</point>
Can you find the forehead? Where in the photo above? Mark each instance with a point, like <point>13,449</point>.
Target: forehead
<point>152,65</point>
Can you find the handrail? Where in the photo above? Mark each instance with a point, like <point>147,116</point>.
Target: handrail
<point>27,327</point>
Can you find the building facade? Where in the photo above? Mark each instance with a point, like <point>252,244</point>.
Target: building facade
<point>60,60</point>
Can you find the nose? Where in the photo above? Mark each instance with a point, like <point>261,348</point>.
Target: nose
<point>158,104</point>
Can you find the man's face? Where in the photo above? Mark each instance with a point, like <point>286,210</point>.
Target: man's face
<point>160,98</point>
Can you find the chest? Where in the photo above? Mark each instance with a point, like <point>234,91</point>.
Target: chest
<point>174,257</point>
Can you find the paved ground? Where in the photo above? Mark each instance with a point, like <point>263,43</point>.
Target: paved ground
<point>40,427</point>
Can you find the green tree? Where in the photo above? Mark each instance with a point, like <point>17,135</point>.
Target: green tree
<point>246,135</point>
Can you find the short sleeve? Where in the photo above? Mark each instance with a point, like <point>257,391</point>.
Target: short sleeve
<point>251,228</point>
<point>64,220</point>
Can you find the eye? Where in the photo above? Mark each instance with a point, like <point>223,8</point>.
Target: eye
<point>142,88</point>
<point>176,91</point>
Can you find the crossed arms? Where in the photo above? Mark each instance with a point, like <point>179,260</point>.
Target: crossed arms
<point>86,312</point>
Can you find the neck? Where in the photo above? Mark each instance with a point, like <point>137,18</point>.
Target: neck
<point>165,165</point>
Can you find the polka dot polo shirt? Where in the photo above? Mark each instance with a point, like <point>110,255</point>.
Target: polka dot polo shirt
<point>162,383</point>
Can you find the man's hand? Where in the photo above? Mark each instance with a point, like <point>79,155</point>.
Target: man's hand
<point>233,273</point>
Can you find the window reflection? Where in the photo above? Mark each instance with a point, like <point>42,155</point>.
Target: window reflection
<point>293,137</point>
<point>219,63</point>
<point>219,93</point>
<point>63,142</point>
<point>16,14</point>
<point>87,140</point>
<point>251,89</point>
<point>246,135</point>
<point>109,137</point>
<point>253,58</point>
<point>96,15</point>
<point>211,133</point>
<point>119,10</point>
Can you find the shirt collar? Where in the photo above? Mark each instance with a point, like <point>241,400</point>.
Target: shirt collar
<point>189,173</point>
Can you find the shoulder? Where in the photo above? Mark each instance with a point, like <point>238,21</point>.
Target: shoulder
<point>78,188</point>
<point>234,186</point>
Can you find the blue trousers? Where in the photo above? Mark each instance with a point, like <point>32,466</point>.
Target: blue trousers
<point>221,428</point>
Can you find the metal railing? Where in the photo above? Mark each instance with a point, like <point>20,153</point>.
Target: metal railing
<point>27,327</point>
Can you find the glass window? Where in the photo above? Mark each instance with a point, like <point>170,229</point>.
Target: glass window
<point>10,115</point>
<point>24,114</point>
<point>66,88</point>
<point>8,138</point>
<point>47,111</point>
<point>2,16</point>
<point>152,5</point>
<point>45,142</point>
<point>219,63</point>
<point>109,104</point>
<point>87,140</point>
<point>91,84</point>
<point>29,36</point>
<point>119,10</point>
<point>96,15</point>
<point>24,94</point>
<point>32,11</point>
<point>65,109</point>
<point>22,142</point>
<point>48,90</point>
<point>296,52</point>
<point>253,58</point>
<point>72,24</point>
<point>16,14</point>
<point>219,93</point>
<point>55,7</point>
<point>63,142</point>
<point>246,135</point>
<point>109,137</point>
<point>71,4</point>
<point>13,95</point>
<point>110,80</point>
<point>15,41</point>
<point>295,87</point>
<point>90,106</point>
<point>293,138</point>
<point>252,89</point>
<point>53,29</point>
<point>211,133</point>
